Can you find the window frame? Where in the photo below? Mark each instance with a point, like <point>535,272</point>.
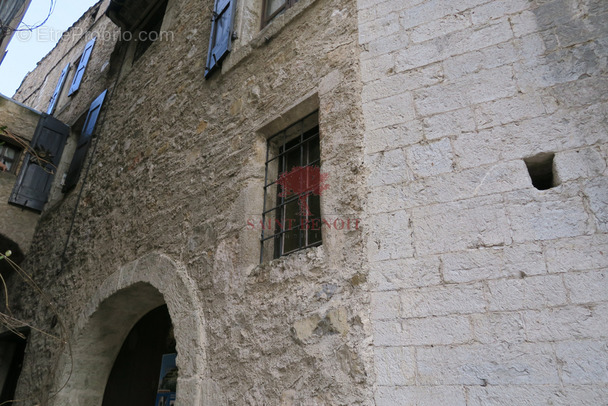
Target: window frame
<point>287,4</point>
<point>305,140</point>
<point>18,152</point>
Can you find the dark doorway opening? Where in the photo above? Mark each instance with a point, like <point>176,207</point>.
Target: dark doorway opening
<point>134,377</point>
<point>12,353</point>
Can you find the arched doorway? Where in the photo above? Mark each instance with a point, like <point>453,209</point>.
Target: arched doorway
<point>134,379</point>
<point>104,324</point>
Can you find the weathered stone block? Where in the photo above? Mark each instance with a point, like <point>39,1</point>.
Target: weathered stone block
<point>431,159</point>
<point>389,111</point>
<point>449,123</point>
<point>474,223</point>
<point>395,366</point>
<point>473,265</point>
<point>516,364</point>
<point>396,236</point>
<point>400,82</point>
<point>597,195</point>
<point>583,362</point>
<point>450,330</point>
<point>385,305</point>
<point>509,110</point>
<point>534,292</point>
<point>440,27</point>
<point>524,23</point>
<point>421,396</point>
<point>566,323</point>
<point>583,163</point>
<point>502,327</point>
<point>387,167</point>
<point>475,88</point>
<point>382,26</point>
<point>394,136</point>
<point>536,395</point>
<point>497,9</point>
<point>487,58</point>
<point>524,259</point>
<point>587,287</point>
<point>443,300</point>
<point>405,273</point>
<point>548,220</point>
<point>577,254</point>
<point>388,333</point>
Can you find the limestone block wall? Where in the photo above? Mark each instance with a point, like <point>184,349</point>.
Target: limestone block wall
<point>486,290</point>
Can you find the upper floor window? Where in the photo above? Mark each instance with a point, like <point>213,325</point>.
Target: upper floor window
<point>81,66</point>
<point>220,41</point>
<point>292,208</point>
<point>9,157</point>
<point>273,8</point>
<point>150,30</point>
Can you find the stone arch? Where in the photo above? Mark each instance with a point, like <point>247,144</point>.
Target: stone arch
<point>121,300</point>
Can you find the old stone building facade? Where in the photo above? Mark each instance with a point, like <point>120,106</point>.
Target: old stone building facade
<point>460,256</point>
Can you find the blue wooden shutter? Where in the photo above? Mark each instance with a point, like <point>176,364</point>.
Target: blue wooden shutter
<point>37,172</point>
<point>84,60</point>
<point>83,143</point>
<point>57,92</point>
<point>221,34</point>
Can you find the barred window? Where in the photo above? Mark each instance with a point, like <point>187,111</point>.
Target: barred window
<point>292,206</point>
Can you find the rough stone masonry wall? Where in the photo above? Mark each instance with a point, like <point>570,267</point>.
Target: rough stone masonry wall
<point>487,291</point>
<point>15,223</point>
<point>38,86</point>
<point>179,169</point>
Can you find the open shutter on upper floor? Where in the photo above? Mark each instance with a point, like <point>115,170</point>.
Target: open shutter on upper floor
<point>84,60</point>
<point>221,34</point>
<point>83,143</point>
<point>40,165</point>
<point>57,92</point>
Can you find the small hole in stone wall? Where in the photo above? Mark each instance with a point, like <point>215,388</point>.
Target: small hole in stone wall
<point>540,168</point>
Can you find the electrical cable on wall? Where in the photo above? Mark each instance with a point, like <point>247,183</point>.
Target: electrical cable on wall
<point>5,29</point>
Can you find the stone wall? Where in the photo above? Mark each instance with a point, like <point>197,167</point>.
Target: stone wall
<point>177,168</point>
<point>481,288</point>
<point>38,86</point>
<point>16,223</point>
<point>486,290</point>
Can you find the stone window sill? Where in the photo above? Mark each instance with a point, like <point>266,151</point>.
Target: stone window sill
<point>265,35</point>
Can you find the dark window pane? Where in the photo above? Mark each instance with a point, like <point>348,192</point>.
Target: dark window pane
<point>272,6</point>
<point>314,153</point>
<point>150,32</point>
<point>314,231</point>
<point>8,156</point>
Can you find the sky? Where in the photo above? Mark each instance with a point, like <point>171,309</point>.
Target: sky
<point>28,47</point>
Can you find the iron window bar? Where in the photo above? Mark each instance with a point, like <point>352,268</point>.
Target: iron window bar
<point>299,137</point>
